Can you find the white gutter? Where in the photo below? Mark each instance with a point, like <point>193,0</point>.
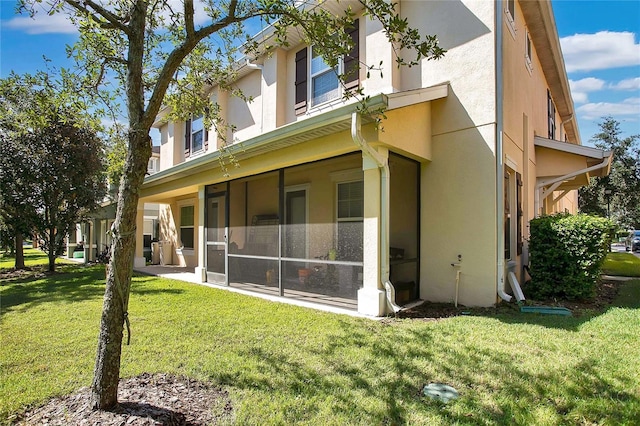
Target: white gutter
<point>383,165</point>
<point>541,194</point>
<point>500,284</point>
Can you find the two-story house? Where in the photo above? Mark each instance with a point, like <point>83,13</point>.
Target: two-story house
<point>434,203</point>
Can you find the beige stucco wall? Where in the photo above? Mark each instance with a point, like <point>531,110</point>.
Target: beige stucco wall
<point>458,201</point>
<point>411,140</point>
<point>458,218</point>
<point>525,116</point>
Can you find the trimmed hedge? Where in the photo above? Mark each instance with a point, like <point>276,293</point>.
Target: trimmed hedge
<point>566,254</point>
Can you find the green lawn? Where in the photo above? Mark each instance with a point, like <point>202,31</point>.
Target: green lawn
<point>622,264</point>
<point>288,365</point>
<point>32,257</point>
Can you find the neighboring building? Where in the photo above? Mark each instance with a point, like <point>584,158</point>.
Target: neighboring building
<point>93,235</point>
<point>327,207</point>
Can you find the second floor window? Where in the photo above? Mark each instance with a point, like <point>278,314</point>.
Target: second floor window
<point>316,82</point>
<point>324,80</point>
<point>511,8</point>
<point>551,114</point>
<point>196,137</point>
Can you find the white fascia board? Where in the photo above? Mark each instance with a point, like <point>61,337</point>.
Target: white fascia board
<point>416,96</point>
<point>585,151</point>
<point>291,134</point>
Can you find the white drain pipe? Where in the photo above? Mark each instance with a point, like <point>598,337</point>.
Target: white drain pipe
<point>383,164</point>
<point>500,279</point>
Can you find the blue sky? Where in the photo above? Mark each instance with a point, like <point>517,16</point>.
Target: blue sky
<point>600,40</point>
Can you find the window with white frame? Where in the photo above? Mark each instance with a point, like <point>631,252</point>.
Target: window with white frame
<point>187,226</point>
<point>316,82</point>
<point>325,85</point>
<point>153,165</point>
<point>528,52</point>
<point>196,136</point>
<point>511,9</point>
<point>551,114</point>
<point>510,16</point>
<point>350,217</point>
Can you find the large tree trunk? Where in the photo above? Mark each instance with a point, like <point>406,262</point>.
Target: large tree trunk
<point>104,389</point>
<point>19,251</point>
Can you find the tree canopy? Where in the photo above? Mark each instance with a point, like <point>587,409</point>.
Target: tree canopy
<point>51,172</point>
<point>168,52</point>
<point>618,194</point>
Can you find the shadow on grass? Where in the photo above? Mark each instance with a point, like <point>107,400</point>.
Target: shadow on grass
<point>382,385</point>
<point>627,295</point>
<point>70,283</point>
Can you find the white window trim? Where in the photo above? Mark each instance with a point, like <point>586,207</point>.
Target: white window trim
<point>510,20</point>
<point>189,251</point>
<point>310,97</point>
<point>202,150</point>
<point>348,219</point>
<point>528,52</point>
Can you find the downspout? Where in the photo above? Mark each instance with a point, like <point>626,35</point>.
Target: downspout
<point>383,165</point>
<point>500,284</point>
<point>539,196</point>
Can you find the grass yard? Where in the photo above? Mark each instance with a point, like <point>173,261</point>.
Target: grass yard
<point>32,257</point>
<point>622,264</point>
<point>287,365</point>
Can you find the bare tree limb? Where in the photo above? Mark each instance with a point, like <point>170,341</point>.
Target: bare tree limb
<point>188,18</point>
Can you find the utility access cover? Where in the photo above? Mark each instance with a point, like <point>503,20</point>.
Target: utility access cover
<point>440,391</point>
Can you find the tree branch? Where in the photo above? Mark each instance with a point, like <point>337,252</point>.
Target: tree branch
<point>113,21</point>
<point>188,18</point>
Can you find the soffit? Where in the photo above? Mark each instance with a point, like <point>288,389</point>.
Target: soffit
<point>308,129</point>
<point>541,24</point>
<point>555,159</point>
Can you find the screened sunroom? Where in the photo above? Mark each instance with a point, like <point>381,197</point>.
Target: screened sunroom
<point>298,232</point>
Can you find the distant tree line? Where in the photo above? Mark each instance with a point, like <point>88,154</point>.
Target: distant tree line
<point>52,172</point>
<point>617,195</point>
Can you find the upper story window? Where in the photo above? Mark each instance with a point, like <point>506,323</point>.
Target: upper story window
<point>316,82</point>
<point>196,137</point>
<point>511,9</point>
<point>528,53</point>
<point>510,13</point>
<point>551,114</point>
<point>153,165</point>
<point>324,80</point>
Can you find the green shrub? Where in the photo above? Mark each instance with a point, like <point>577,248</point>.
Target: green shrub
<point>567,253</point>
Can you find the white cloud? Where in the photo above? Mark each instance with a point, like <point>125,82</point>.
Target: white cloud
<point>581,88</point>
<point>42,23</point>
<point>628,84</point>
<point>629,107</point>
<point>59,23</point>
<point>602,50</point>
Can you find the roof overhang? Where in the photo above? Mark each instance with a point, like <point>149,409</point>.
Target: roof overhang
<point>570,165</point>
<point>544,36</point>
<point>313,127</point>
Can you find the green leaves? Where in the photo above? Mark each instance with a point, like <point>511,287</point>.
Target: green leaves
<point>567,253</point>
<point>618,194</point>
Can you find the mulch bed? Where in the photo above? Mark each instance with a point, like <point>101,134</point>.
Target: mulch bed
<point>159,399</point>
<point>606,292</point>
